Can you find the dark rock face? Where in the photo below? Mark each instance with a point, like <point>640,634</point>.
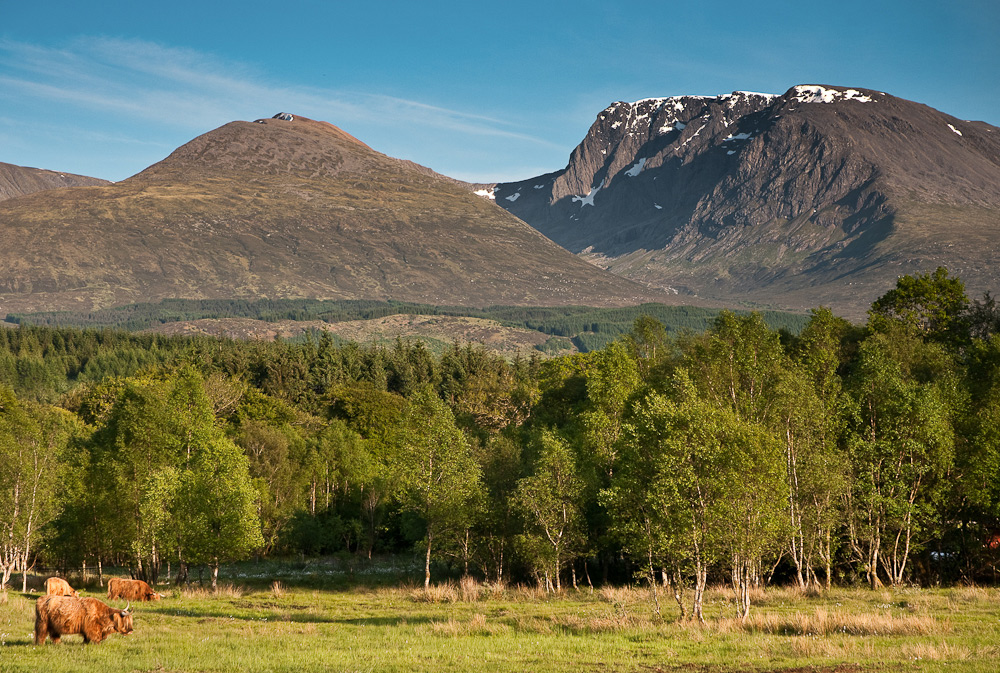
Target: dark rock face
<point>820,195</point>
<point>19,180</point>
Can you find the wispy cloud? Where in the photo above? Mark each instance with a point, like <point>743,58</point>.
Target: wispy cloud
<point>151,83</point>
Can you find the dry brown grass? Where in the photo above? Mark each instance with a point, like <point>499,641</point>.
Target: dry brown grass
<point>611,622</point>
<point>824,622</point>
<point>436,593</point>
<point>785,594</point>
<point>532,592</point>
<point>973,594</point>
<point>277,589</point>
<point>836,649</point>
<point>224,590</point>
<point>495,590</point>
<point>478,624</point>
<point>625,595</point>
<point>466,590</point>
<point>936,651</point>
<point>469,589</point>
<point>724,593</point>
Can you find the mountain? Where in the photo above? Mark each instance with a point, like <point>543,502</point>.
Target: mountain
<point>18,180</point>
<point>822,195</point>
<point>286,207</point>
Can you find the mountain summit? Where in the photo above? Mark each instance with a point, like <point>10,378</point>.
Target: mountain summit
<point>822,195</point>
<point>285,207</point>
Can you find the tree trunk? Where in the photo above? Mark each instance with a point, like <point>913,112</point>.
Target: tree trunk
<point>427,562</point>
<point>653,583</point>
<point>677,584</point>
<point>829,560</point>
<point>743,571</point>
<point>24,573</point>
<point>700,580</point>
<point>465,553</point>
<point>215,574</point>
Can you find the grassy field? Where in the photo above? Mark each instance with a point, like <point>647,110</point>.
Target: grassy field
<point>475,627</point>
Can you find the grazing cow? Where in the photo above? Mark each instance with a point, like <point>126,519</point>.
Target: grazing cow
<point>57,586</point>
<point>57,616</point>
<point>131,590</point>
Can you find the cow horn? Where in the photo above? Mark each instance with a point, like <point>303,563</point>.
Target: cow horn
<point>128,604</point>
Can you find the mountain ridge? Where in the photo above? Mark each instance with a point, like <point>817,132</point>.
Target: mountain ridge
<point>21,180</point>
<point>285,207</point>
<point>818,195</point>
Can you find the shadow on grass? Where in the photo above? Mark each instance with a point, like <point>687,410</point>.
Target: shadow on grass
<point>291,618</point>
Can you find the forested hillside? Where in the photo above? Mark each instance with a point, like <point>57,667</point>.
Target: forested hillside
<point>841,454</point>
<point>589,328</point>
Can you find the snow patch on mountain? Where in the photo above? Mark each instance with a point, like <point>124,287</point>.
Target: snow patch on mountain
<point>812,93</point>
<point>487,193</point>
<point>733,98</point>
<point>700,129</point>
<point>954,129</point>
<point>636,169</point>
<point>588,200</point>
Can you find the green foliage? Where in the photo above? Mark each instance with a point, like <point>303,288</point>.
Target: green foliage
<point>934,303</point>
<point>168,479</point>
<point>435,471</point>
<point>32,442</point>
<point>697,484</point>
<point>217,513</point>
<point>901,445</point>
<point>550,499</point>
<point>737,365</point>
<point>737,451</point>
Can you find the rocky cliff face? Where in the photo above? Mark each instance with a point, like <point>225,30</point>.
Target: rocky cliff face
<point>821,195</point>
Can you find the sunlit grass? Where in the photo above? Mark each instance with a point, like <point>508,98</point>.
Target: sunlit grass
<point>472,626</point>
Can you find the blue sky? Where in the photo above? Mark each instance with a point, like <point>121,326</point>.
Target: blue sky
<point>478,91</point>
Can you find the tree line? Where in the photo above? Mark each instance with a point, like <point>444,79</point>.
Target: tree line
<point>841,454</point>
<point>589,328</point>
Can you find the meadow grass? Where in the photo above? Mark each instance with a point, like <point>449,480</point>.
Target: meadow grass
<point>470,626</point>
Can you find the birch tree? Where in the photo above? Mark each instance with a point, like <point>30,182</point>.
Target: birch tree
<point>901,445</point>
<point>550,501</point>
<point>32,440</point>
<point>435,470</point>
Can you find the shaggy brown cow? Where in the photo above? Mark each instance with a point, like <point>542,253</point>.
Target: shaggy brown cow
<point>131,590</point>
<point>57,616</point>
<point>57,586</point>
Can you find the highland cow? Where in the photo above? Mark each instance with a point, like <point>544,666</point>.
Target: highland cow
<point>57,616</point>
<point>57,586</point>
<point>131,590</point>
